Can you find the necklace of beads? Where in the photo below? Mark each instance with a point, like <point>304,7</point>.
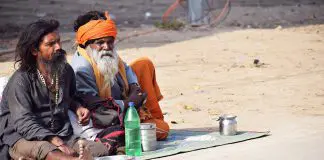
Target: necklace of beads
<point>56,84</point>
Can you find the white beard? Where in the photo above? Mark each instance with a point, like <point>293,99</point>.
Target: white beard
<point>107,63</point>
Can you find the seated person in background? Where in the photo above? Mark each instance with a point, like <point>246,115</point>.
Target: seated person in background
<point>35,102</point>
<point>101,73</point>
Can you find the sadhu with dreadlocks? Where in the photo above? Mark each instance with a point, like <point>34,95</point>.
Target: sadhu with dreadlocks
<point>34,109</point>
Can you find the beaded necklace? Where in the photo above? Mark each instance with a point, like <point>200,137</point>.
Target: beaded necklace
<point>56,84</point>
<point>56,94</point>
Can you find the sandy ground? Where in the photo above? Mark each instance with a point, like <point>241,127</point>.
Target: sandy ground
<point>205,77</point>
<point>214,75</point>
<point>206,72</point>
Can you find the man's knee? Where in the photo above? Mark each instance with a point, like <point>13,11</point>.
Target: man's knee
<point>142,62</point>
<point>162,128</point>
<point>31,149</point>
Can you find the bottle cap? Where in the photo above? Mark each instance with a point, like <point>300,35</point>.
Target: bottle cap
<point>131,104</point>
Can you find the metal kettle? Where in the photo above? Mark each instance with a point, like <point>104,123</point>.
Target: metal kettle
<point>227,125</point>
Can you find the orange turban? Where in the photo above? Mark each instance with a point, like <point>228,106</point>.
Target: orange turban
<point>95,29</point>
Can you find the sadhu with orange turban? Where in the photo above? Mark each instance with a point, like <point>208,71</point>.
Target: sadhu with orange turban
<point>101,72</point>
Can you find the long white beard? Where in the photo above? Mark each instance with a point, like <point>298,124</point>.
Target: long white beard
<point>107,63</point>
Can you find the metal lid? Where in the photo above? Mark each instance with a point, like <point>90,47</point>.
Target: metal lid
<point>147,126</point>
<point>226,116</point>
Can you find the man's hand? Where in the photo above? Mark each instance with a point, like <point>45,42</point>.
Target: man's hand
<point>59,143</point>
<point>134,88</point>
<point>83,115</point>
<point>66,149</point>
<point>136,95</point>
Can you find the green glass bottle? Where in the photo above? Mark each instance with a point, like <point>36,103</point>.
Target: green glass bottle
<point>132,132</point>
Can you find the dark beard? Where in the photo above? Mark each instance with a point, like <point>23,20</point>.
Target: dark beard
<point>56,64</point>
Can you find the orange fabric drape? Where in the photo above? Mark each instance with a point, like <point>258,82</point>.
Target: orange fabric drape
<point>104,92</point>
<point>145,72</point>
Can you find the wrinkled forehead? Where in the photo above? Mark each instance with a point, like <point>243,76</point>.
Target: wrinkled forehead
<point>108,39</point>
<point>51,36</point>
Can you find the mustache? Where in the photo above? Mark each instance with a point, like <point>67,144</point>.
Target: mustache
<point>57,62</point>
<point>107,53</point>
<point>58,55</point>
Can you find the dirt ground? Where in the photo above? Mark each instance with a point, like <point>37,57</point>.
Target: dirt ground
<point>215,76</point>
<point>206,77</point>
<point>206,72</point>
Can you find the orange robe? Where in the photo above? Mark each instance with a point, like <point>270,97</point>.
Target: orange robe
<point>145,72</point>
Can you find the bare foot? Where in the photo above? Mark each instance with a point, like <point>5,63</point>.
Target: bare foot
<point>84,153</point>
